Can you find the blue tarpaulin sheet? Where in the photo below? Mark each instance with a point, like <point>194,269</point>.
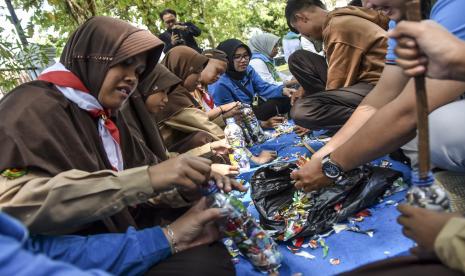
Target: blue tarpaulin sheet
<point>352,249</point>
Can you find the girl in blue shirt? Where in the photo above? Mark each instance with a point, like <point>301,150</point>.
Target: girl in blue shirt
<point>242,83</point>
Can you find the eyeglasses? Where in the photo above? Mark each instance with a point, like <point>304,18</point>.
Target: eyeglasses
<point>239,57</point>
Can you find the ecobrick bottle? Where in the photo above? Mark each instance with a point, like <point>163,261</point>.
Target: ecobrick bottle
<point>236,140</point>
<point>253,242</point>
<point>425,194</point>
<point>252,123</point>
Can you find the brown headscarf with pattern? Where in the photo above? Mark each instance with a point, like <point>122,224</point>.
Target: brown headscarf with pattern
<point>159,79</point>
<point>182,61</point>
<point>48,133</point>
<point>142,123</point>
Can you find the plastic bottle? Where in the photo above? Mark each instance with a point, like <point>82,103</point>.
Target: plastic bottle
<point>252,241</point>
<point>252,123</point>
<point>236,140</point>
<point>245,130</point>
<point>425,194</point>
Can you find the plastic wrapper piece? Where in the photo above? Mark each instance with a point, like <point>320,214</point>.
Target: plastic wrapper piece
<point>294,214</point>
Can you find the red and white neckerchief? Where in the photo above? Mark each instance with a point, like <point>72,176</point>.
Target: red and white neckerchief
<point>75,91</point>
<point>207,100</point>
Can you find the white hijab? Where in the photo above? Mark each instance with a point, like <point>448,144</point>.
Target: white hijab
<point>263,43</point>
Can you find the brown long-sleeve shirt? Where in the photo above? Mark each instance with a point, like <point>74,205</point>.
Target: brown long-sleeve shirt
<point>187,121</point>
<point>355,42</point>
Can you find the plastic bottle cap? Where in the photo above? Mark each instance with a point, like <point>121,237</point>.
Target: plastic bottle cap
<point>417,181</point>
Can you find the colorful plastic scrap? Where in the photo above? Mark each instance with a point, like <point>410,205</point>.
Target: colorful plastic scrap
<point>293,249</point>
<point>298,242</point>
<point>360,216</point>
<point>13,173</point>
<point>233,250</point>
<point>385,164</point>
<point>294,216</point>
<point>301,160</point>
<point>324,246</point>
<point>284,128</point>
<point>398,186</point>
<point>356,229</point>
<point>365,213</point>
<point>335,261</point>
<point>306,255</point>
<point>313,244</point>
<point>338,228</point>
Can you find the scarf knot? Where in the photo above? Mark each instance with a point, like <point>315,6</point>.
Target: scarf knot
<point>75,91</point>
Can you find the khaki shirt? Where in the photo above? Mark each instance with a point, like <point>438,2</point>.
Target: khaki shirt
<point>450,244</point>
<point>73,198</point>
<point>187,121</point>
<point>355,43</point>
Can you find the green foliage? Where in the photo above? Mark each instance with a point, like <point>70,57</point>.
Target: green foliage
<point>218,20</point>
<point>54,20</point>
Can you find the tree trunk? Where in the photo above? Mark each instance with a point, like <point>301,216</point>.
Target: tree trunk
<point>16,23</point>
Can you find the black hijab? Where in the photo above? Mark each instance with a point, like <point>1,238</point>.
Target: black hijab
<point>229,47</point>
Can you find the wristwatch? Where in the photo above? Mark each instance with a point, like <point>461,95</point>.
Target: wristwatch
<point>331,169</point>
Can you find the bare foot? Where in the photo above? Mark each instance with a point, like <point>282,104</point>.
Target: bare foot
<point>264,157</point>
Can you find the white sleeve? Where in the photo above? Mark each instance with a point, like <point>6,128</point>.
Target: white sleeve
<point>308,45</point>
<point>262,70</point>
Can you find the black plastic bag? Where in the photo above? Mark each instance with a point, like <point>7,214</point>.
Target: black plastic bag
<point>273,190</point>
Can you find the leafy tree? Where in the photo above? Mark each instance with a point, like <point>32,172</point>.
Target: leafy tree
<point>218,20</point>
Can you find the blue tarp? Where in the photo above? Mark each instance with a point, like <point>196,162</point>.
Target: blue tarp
<point>352,249</point>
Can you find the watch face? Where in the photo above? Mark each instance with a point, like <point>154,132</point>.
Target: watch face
<point>331,170</point>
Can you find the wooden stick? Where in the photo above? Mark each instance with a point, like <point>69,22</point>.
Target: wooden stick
<point>414,14</point>
<point>312,150</point>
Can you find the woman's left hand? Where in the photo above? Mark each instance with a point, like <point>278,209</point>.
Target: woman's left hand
<point>227,184</point>
<point>224,169</point>
<point>196,226</point>
<point>220,147</point>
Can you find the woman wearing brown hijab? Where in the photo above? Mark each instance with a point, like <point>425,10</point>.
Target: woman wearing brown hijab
<point>140,115</point>
<point>182,123</point>
<point>183,113</point>
<point>68,158</point>
<point>149,100</point>
<point>217,65</point>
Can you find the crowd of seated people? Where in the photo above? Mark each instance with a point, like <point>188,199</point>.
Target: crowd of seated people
<point>105,154</point>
